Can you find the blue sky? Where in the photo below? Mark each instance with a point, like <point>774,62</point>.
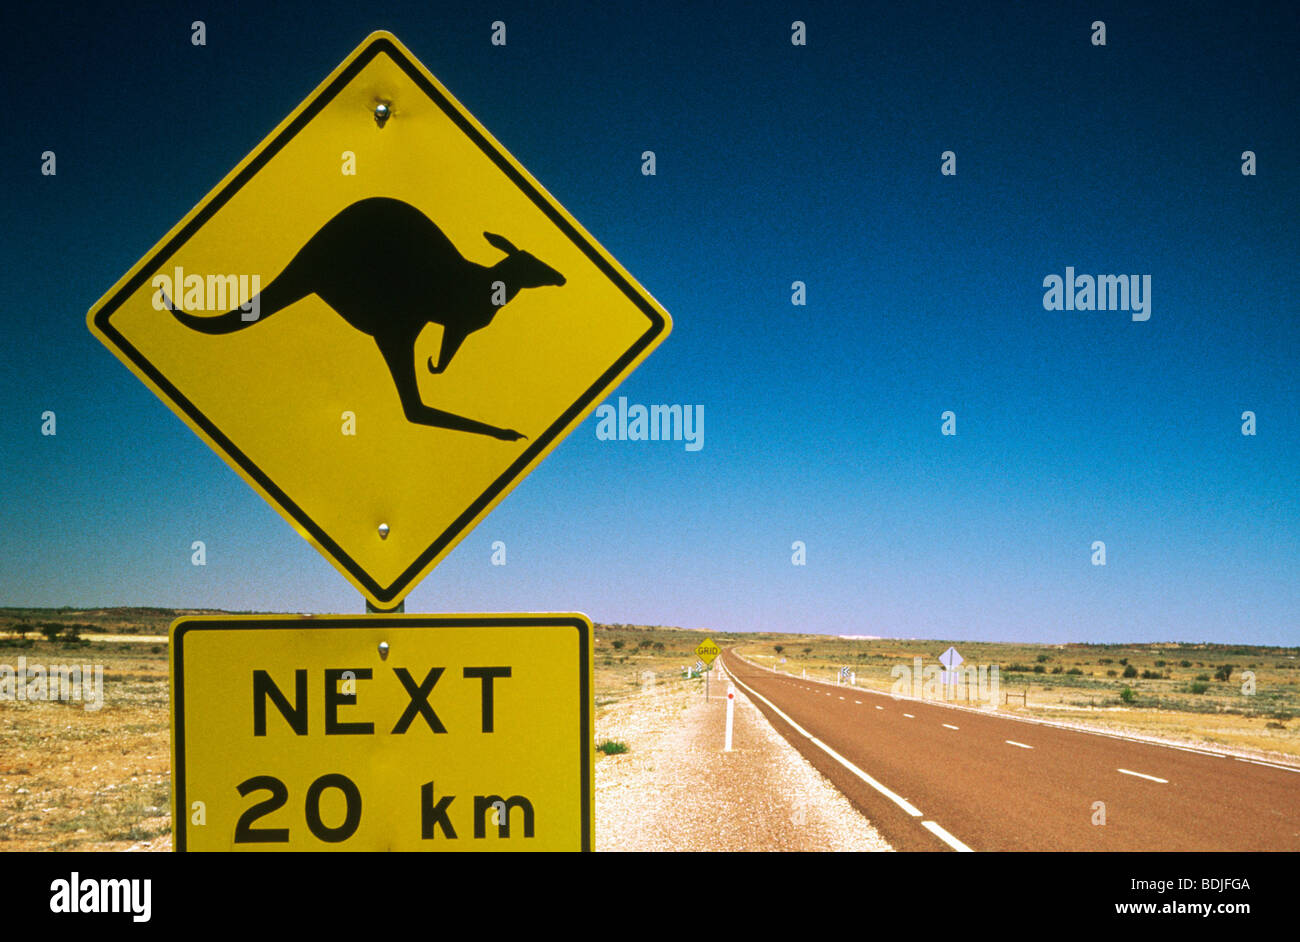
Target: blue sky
<point>776,163</point>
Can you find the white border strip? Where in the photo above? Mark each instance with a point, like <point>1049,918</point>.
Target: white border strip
<point>1162,781</point>
<point>893,796</point>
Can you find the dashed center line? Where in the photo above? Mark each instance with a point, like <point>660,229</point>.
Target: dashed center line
<point>949,726</point>
<point>1162,781</point>
<point>1012,742</point>
<point>858,702</point>
<point>879,708</point>
<point>909,716</point>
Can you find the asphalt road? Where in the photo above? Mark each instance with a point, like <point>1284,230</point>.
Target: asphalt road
<point>931,777</point>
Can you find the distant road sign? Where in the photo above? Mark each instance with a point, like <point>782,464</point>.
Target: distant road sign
<point>707,651</point>
<point>380,320</point>
<point>951,660</point>
<point>468,732</point>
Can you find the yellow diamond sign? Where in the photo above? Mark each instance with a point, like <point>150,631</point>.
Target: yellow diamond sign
<point>382,732</point>
<point>380,320</point>
<point>707,651</point>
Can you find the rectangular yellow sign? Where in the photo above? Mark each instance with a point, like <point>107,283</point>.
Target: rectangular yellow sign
<point>382,732</point>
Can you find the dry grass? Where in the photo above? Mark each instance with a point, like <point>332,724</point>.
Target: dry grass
<point>73,779</point>
<point>1266,722</point>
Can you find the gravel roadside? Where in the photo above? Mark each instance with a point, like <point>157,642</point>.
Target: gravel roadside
<point>677,790</point>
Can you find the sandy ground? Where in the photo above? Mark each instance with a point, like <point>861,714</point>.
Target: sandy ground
<point>677,790</point>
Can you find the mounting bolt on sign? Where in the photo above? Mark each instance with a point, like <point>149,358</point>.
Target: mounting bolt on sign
<point>386,289</point>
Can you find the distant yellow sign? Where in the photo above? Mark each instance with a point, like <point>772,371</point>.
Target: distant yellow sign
<point>382,732</point>
<point>707,651</point>
<point>380,320</point>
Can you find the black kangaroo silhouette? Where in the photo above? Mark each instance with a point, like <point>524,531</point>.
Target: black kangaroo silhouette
<point>388,270</point>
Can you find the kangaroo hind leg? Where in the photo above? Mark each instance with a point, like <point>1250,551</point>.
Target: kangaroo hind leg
<point>399,354</point>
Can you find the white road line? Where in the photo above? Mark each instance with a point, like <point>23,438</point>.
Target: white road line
<point>841,698</point>
<point>858,702</point>
<point>892,796</point>
<point>909,716</point>
<point>1091,731</point>
<point>949,726</point>
<point>1162,781</point>
<point>1020,744</point>
<point>947,838</point>
<point>879,708</point>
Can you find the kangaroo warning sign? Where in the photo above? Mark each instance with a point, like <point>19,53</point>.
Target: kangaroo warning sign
<point>380,320</point>
<point>382,732</point>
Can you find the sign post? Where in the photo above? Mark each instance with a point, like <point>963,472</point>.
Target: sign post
<point>706,651</point>
<point>731,709</point>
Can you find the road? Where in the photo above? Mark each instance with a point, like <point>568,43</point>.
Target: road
<point>931,777</point>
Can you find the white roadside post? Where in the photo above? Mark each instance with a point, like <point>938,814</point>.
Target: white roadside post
<point>731,709</point>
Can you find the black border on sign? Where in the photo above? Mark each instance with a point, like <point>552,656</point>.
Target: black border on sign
<point>404,582</point>
<point>184,625</point>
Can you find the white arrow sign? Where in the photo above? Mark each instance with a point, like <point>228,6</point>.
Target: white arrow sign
<point>950,659</point>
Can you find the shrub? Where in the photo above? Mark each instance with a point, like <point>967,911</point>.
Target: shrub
<point>1224,673</point>
<point>1199,687</point>
<point>1151,675</point>
<point>1123,660</point>
<point>1040,669</point>
<point>1160,663</point>
<point>1112,673</point>
<point>612,747</point>
<point>659,645</point>
<point>1042,658</point>
<point>778,648</point>
<point>1058,669</point>
<point>1184,663</point>
<point>1105,660</point>
<point>1126,695</point>
<point>1074,670</point>
<point>1202,676</point>
<point>618,645</point>
<point>1130,671</point>
<point>51,630</point>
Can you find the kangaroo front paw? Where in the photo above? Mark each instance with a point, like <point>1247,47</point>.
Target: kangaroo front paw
<point>509,435</point>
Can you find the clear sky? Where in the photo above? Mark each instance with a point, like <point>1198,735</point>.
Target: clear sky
<point>775,163</point>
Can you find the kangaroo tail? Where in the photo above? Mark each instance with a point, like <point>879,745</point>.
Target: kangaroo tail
<point>275,297</point>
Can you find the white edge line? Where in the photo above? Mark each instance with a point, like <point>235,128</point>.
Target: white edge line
<point>947,838</point>
<point>950,726</point>
<point>1040,722</point>
<point>1162,781</point>
<point>903,803</point>
<point>891,795</point>
<point>1012,742</point>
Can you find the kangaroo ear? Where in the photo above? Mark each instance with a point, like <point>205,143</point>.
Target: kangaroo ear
<point>500,242</point>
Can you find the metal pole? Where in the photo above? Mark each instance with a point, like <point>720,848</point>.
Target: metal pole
<point>731,709</point>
